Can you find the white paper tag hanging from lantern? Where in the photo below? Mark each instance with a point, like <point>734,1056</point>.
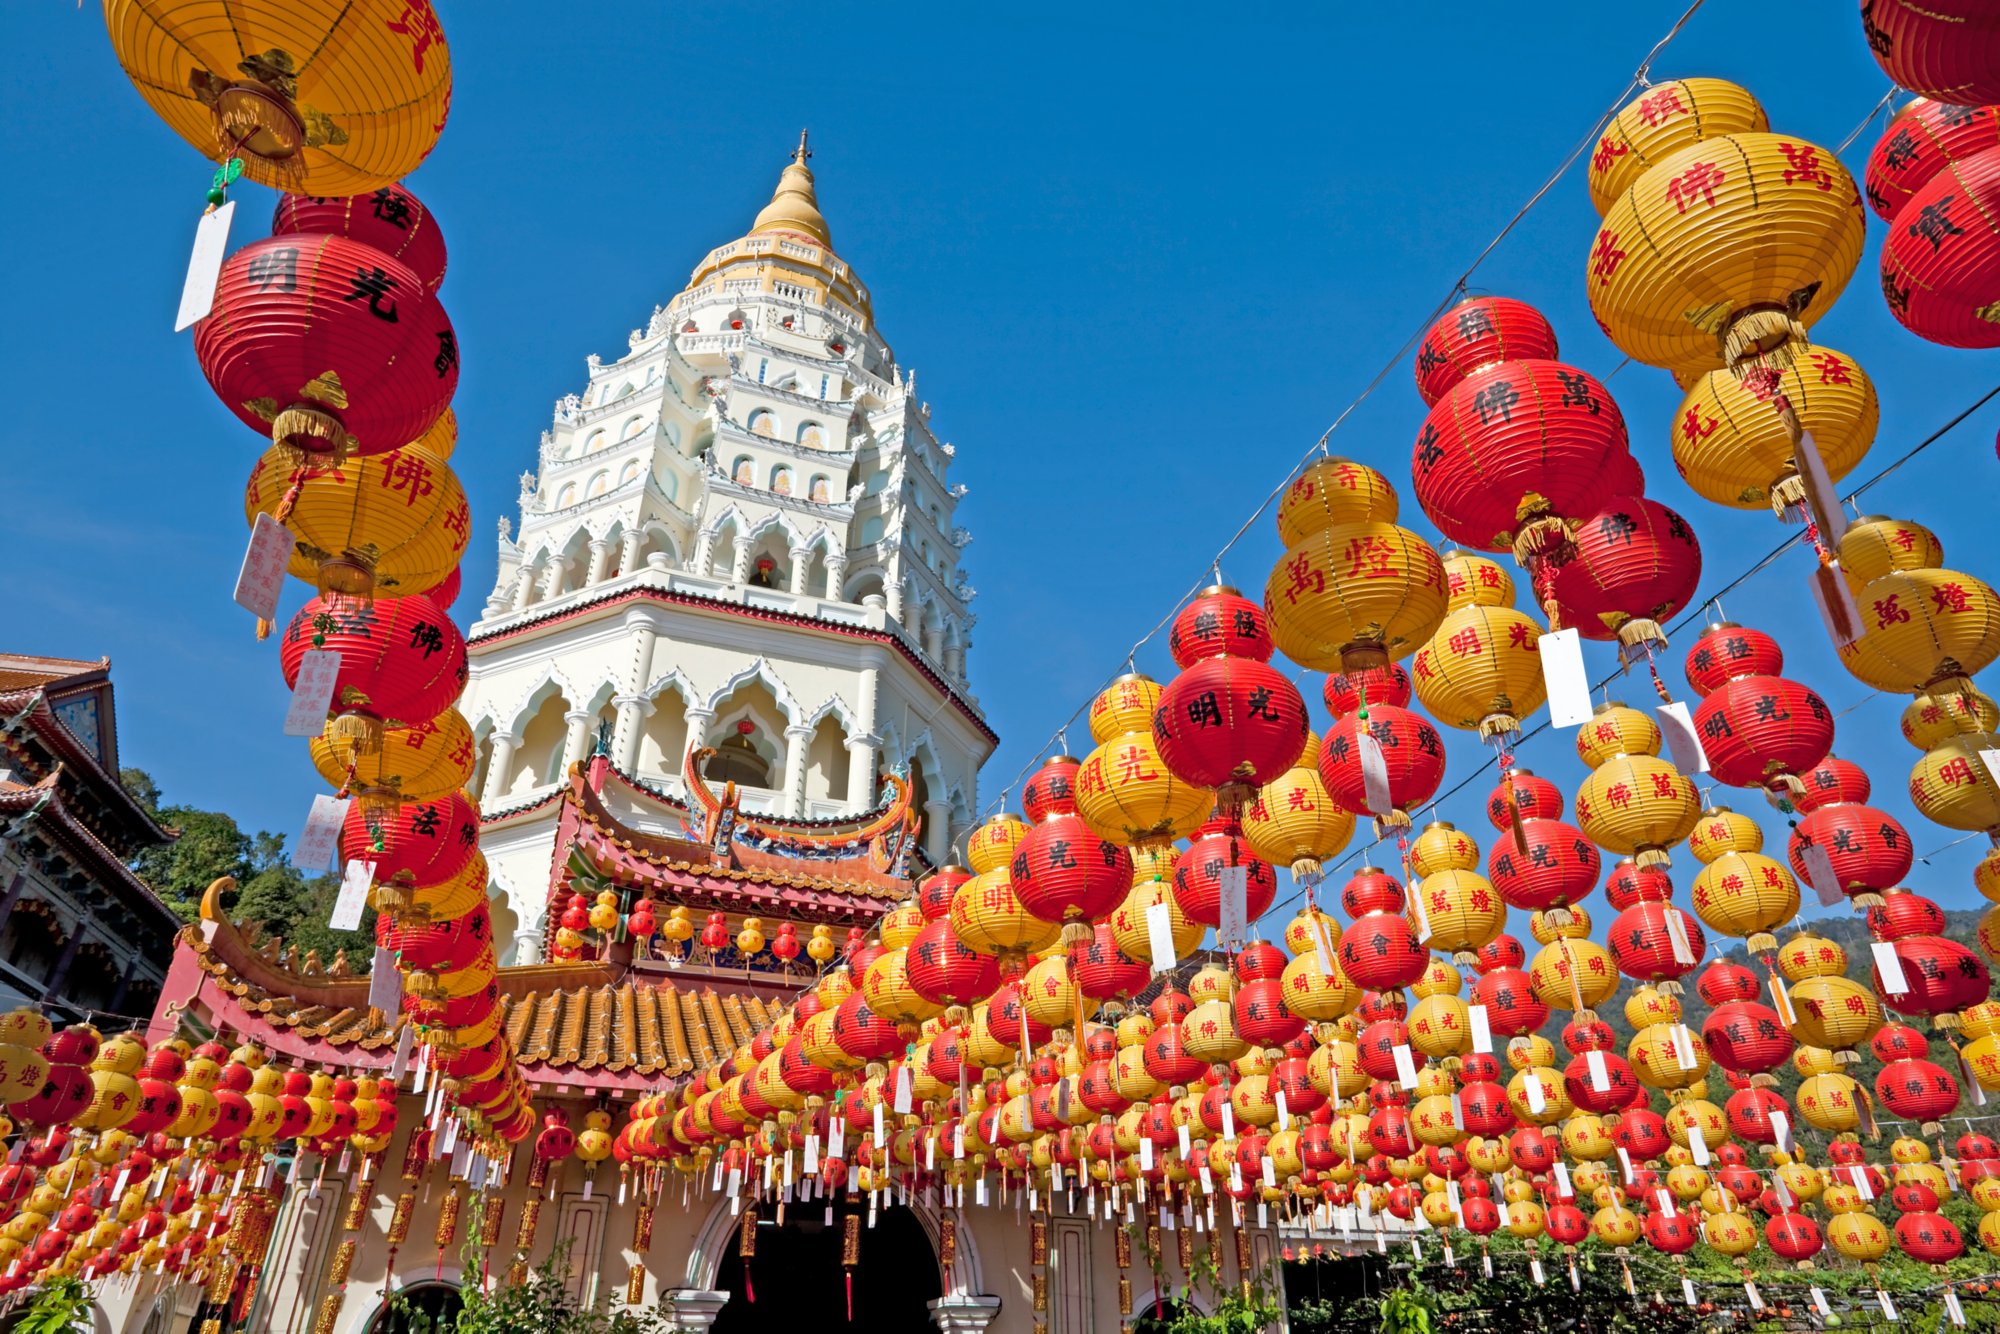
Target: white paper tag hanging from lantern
<point>1835,600</point>
<point>1825,881</point>
<point>1889,966</point>
<point>1406,1066</point>
<point>1234,884</point>
<point>262,575</point>
<point>1160,936</point>
<point>1561,652</point>
<point>385,984</point>
<point>211,245</point>
<point>321,836</point>
<point>353,896</point>
<point>312,692</point>
<point>1374,774</point>
<point>1482,1030</point>
<point>1677,936</point>
<point>1683,742</point>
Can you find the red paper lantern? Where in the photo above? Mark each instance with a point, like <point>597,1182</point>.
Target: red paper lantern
<point>1166,1056</point>
<point>1917,1089</point>
<point>1946,49</point>
<point>1346,692</point>
<point>1478,332</point>
<point>1550,865</point>
<point>1924,137</point>
<point>1524,794</point>
<point>1940,976</point>
<point>1261,1016</point>
<point>1102,971</point>
<point>1063,872</point>
<point>1642,944</point>
<point>1793,1237</point>
<point>1636,565</point>
<point>1566,1224</point>
<point>401,661</point>
<point>1219,622</point>
<point>328,345</point>
<point>1868,848</point>
<point>390,220</point>
<point>1486,1109</point>
<point>1510,431</point>
<point>419,843</point>
<point>1216,847</point>
<point>1230,722</point>
<point>1642,1133</point>
<point>935,893</point>
<point>1412,758</point>
<point>944,971</point>
<point>1929,1238</point>
<point>1381,952</point>
<point>1747,1037</point>
<point>1749,1112</point>
<point>1941,261</point>
<point>1757,730</point>
<point>1590,1094</point>
<point>1725,651</point>
<point>1512,1008</point>
<point>1371,890</point>
<point>1631,883</point>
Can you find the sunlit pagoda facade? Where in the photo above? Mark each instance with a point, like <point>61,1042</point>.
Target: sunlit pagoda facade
<point>738,537</point>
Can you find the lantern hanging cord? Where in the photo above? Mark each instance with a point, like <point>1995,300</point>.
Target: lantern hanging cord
<point>1320,446</point>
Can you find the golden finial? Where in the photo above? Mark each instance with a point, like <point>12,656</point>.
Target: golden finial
<point>801,153</point>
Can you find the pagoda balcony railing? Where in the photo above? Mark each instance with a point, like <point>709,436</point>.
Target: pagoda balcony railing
<point>709,588</point>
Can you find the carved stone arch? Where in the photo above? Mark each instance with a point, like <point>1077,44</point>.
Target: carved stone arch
<point>760,670</point>
<point>781,521</point>
<point>599,697</point>
<point>676,681</point>
<point>730,513</point>
<point>717,1240</point>
<point>835,706</point>
<point>551,681</point>
<point>925,748</point>
<point>515,918</point>
<point>660,537</point>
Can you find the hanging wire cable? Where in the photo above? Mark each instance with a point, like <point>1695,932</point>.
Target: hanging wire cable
<point>1640,79</point>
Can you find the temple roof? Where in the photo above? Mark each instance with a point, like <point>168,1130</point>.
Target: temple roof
<point>43,807</point>
<point>35,741</point>
<point>577,1027</point>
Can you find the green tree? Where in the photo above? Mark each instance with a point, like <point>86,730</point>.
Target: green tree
<point>270,890</point>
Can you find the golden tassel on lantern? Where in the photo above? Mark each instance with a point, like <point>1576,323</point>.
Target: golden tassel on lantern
<point>1123,1247</point>
<point>1124,1296</point>
<point>447,1228</point>
<point>1184,1243</point>
<point>493,1210</point>
<point>212,1325</point>
<point>1242,1251</point>
<point>399,1222</point>
<point>357,1211</point>
<point>850,1256</point>
<point>538,1172</point>
<point>1041,1291</point>
<point>524,1236</point>
<point>947,1242</point>
<point>1215,1249</point>
<point>642,1227</point>
<point>1152,1241</point>
<point>746,1234</point>
<point>635,1285</point>
<point>517,1273</point>
<point>1038,1241</point>
<point>343,1263</point>
<point>329,1312</point>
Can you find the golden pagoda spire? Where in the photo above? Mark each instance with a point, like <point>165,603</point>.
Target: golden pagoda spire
<point>794,207</point>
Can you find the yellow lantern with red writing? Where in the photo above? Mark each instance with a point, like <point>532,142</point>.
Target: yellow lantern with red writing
<point>1294,821</point>
<point>1732,447</point>
<point>1951,785</point>
<point>991,846</point>
<point>1633,802</point>
<point>1662,121</point>
<point>1745,894</point>
<point>1126,793</point>
<point>1353,590</point>
<point>1923,630</point>
<point>1481,670</point>
<point>1725,251</point>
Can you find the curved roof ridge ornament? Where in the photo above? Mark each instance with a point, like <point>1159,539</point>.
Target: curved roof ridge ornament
<point>873,825</point>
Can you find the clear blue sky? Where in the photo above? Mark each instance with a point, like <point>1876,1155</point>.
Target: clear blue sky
<point>1139,260</point>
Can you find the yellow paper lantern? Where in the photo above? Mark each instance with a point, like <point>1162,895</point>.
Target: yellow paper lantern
<point>1128,921</point>
<point>1475,581</point>
<point>1661,121</point>
<point>1331,492</point>
<point>1923,630</point>
<point>320,97</point>
<point>1480,670</point>
<point>1745,894</point>
<point>1874,546</point>
<point>1719,830</point>
<point>1315,993</point>
<point>394,523</point>
<point>1931,718</point>
<point>1731,1234</point>
<point>986,916</point>
<point>1573,974</point>
<point>1831,1103</point>
<point>1294,822</point>
<point>419,762</point>
<point>991,846</point>
<point>1048,992</point>
<point>1951,786</point>
<point>1443,846</point>
<point>1126,794</point>
<point>1355,595</point>
<point>1441,1026</point>
<point>1731,446</point>
<point>1730,245</point>
<point>1638,806</point>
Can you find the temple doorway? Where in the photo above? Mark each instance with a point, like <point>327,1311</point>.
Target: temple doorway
<point>800,1283</point>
